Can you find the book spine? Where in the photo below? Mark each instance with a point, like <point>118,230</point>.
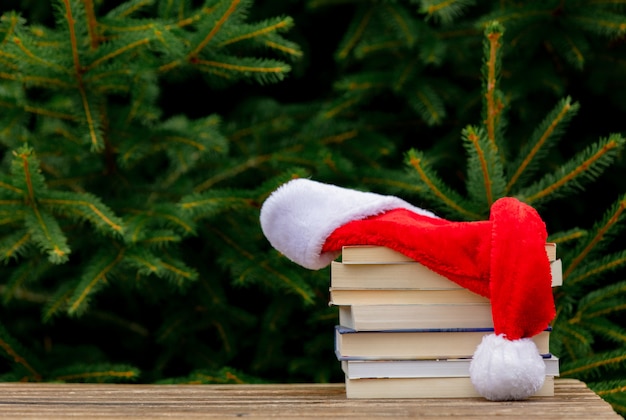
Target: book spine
<point>389,296</point>
<point>407,276</point>
<point>408,317</point>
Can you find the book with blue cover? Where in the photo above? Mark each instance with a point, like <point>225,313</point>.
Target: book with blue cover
<point>424,368</point>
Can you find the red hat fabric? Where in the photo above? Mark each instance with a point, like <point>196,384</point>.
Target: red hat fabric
<point>503,259</point>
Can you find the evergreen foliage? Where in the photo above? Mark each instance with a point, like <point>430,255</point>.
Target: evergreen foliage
<point>139,139</point>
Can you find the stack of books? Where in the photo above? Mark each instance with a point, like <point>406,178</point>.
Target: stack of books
<point>407,332</point>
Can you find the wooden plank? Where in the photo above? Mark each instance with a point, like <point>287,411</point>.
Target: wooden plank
<point>46,401</point>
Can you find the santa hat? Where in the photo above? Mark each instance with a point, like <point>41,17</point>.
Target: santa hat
<point>503,259</point>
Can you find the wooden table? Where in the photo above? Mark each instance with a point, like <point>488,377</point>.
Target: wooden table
<point>85,401</point>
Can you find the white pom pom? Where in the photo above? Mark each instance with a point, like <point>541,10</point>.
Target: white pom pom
<point>503,370</point>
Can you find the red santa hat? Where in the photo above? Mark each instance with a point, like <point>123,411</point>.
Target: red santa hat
<point>503,259</point>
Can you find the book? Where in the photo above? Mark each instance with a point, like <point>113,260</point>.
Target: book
<point>415,316</point>
<point>407,275</point>
<point>401,296</point>
<point>417,344</point>
<point>372,254</point>
<point>458,387</point>
<point>425,368</point>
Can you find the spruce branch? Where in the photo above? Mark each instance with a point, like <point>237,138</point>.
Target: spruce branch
<point>98,373</point>
<point>485,177</point>
<point>492,106</point>
<point>600,22</point>
<point>570,340</point>
<point>354,33</point>
<point>87,101</point>
<point>210,203</point>
<point>160,215</point>
<point>92,24</point>
<point>541,141</point>
<point>84,206</point>
<point>101,266</point>
<point>428,104</point>
<point>21,277</point>
<point>14,245</point>
<point>436,189</point>
<point>399,19</point>
<point>574,47</point>
<point>444,11</point>
<point>585,167</point>
<point>591,367</point>
<point>176,271</point>
<point>58,302</point>
<point>259,30</point>
<point>601,302</point>
<point>128,8</point>
<point>281,45</point>
<point>591,271</point>
<point>224,10</point>
<point>567,236</point>
<point>607,329</point>
<point>262,70</point>
<point>609,226</point>
<point>14,351</point>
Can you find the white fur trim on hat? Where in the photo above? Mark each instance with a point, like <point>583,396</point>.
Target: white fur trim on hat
<point>301,214</point>
<point>503,370</point>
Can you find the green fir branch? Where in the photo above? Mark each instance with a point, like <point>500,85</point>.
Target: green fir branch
<point>224,12</point>
<point>493,104</point>
<point>129,8</point>
<point>600,22</point>
<point>259,30</point>
<point>96,373</point>
<point>589,272</point>
<point>57,304</point>
<point>485,177</point>
<point>160,215</point>
<point>543,139</point>
<point>14,245</point>
<point>594,366</point>
<point>23,275</point>
<point>46,233</point>
<point>439,193</point>
<point>518,15</point>
<point>602,302</point>
<point>12,350</point>
<point>354,33</point>
<point>570,341</point>
<point>573,46</point>
<point>444,11</point>
<point>427,103</point>
<point>176,271</point>
<point>570,177</point>
<point>283,46</point>
<point>210,203</point>
<point>99,269</point>
<point>606,329</point>
<point>601,233</point>
<point>567,236</point>
<point>84,206</point>
<point>89,103</point>
<point>401,22</point>
<point>264,71</point>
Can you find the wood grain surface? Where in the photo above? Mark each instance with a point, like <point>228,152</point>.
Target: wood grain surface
<point>287,401</point>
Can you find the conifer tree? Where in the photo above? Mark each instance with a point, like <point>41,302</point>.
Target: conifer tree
<point>130,236</point>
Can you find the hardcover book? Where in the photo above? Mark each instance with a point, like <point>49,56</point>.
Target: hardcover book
<point>417,344</point>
